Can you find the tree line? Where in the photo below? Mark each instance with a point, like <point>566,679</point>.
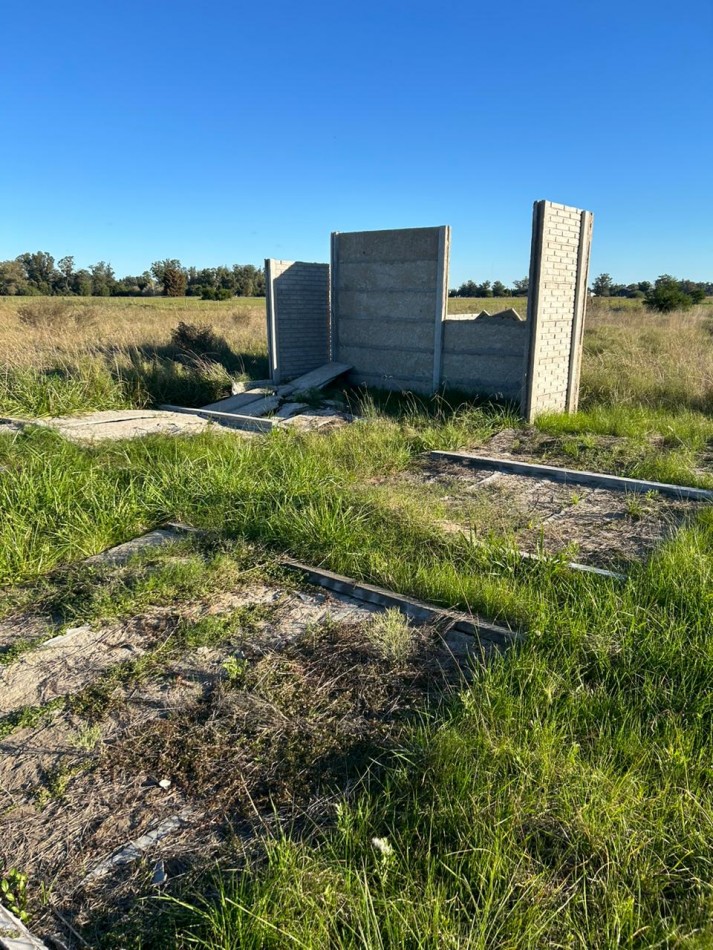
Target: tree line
<point>34,274</point>
<point>665,293</point>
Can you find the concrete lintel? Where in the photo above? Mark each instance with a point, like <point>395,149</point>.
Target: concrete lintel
<point>574,476</point>
<point>414,609</point>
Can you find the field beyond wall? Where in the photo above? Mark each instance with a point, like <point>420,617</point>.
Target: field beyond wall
<point>560,795</point>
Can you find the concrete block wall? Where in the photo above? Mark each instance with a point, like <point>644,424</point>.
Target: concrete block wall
<point>485,354</point>
<point>298,317</point>
<point>559,267</point>
<point>389,304</point>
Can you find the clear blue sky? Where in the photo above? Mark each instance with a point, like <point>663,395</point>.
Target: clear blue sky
<point>228,132</point>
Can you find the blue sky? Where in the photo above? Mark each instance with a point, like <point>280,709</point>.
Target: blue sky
<point>228,132</point>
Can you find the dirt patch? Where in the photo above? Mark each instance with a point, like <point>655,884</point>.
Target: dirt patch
<point>598,527</point>
<point>211,746</point>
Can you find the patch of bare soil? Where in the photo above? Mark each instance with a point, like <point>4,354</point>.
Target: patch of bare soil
<point>138,782</point>
<point>598,527</point>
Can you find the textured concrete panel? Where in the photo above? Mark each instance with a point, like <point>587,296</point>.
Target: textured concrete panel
<point>482,333</point>
<point>397,305</point>
<point>393,333</point>
<point>559,266</point>
<point>390,361</point>
<point>389,303</point>
<point>403,244</point>
<point>389,276</point>
<point>298,320</point>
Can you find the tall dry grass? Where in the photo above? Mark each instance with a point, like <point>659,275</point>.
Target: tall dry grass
<point>69,354</point>
<point>635,357</point>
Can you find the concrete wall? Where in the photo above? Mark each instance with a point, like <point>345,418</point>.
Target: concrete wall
<point>559,267</point>
<point>388,305</point>
<point>298,320</point>
<point>485,353</point>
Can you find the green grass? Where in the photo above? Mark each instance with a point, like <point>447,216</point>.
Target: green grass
<point>563,799</point>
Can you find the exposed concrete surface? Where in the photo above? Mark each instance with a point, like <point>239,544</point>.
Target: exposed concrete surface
<point>120,424</point>
<point>389,304</point>
<point>573,476</point>
<point>153,539</point>
<point>14,935</point>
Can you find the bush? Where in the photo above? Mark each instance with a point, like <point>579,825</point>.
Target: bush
<point>196,339</point>
<point>667,296</point>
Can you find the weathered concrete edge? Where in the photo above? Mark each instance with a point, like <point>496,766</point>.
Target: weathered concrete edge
<point>574,476</point>
<point>21,938</point>
<point>251,423</point>
<point>414,609</point>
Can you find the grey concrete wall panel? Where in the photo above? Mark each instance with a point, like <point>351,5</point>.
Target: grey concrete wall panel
<point>485,354</point>
<point>559,266</point>
<point>389,305</point>
<point>298,321</point>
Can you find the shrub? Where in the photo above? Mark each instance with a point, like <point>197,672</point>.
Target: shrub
<point>197,339</point>
<point>667,296</point>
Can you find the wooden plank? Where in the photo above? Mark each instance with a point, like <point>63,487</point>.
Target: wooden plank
<point>414,609</point>
<point>250,423</point>
<point>572,476</point>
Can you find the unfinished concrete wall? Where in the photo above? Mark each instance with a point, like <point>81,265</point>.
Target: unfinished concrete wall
<point>298,320</point>
<point>485,353</point>
<point>559,267</point>
<point>388,305</point>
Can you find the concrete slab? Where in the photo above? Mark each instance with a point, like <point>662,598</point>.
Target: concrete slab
<point>120,424</point>
<point>230,420</point>
<point>14,935</point>
<point>153,539</point>
<point>290,409</point>
<point>261,407</point>
<point>317,378</point>
<point>237,402</point>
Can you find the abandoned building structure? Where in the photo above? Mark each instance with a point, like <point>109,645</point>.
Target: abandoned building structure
<point>380,306</point>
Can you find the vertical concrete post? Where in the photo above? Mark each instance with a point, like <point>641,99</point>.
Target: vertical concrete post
<point>334,299</point>
<point>557,295</point>
<point>580,309</point>
<point>444,251</point>
<point>272,344</point>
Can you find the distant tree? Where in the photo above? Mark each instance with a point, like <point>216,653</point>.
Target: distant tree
<point>65,270</point>
<point>485,289</point>
<point>82,283</point>
<point>13,279</point>
<point>172,277</point>
<point>500,290</point>
<point>520,287</point>
<point>603,286</point>
<point>104,282</point>
<point>667,295</point>
<point>39,270</point>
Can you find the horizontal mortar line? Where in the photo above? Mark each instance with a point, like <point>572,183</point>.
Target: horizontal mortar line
<point>485,351</point>
<point>414,609</point>
<point>575,476</point>
<point>409,290</point>
<point>379,262</point>
<point>345,344</point>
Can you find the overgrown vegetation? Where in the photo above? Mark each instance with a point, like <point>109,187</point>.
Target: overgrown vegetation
<point>562,798</point>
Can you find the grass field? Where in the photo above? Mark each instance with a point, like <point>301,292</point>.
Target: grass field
<point>562,798</point>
